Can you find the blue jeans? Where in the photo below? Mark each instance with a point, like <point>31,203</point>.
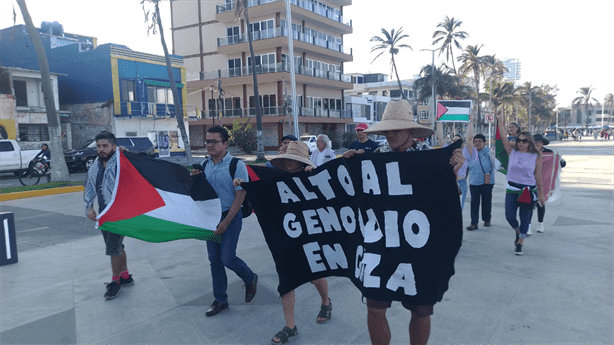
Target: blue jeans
<point>485,192</point>
<point>225,254</point>
<point>462,184</point>
<point>526,212</point>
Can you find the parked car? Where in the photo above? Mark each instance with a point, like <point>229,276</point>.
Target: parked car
<point>310,140</point>
<point>83,157</point>
<point>381,140</point>
<point>12,158</point>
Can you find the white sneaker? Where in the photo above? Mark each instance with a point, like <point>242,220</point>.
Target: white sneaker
<point>540,227</point>
<point>529,231</point>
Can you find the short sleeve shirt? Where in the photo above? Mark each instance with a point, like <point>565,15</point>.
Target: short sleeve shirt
<point>368,146</point>
<point>218,175</point>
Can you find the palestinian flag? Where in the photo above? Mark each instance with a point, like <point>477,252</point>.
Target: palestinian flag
<point>453,111</point>
<point>500,152</point>
<point>156,201</point>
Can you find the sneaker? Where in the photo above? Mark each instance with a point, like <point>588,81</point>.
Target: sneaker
<point>529,231</point>
<point>518,250</point>
<point>251,289</point>
<point>126,282</point>
<point>540,227</point>
<point>472,227</point>
<point>486,223</point>
<point>113,289</point>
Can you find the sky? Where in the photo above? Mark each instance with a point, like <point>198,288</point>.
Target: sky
<point>567,43</point>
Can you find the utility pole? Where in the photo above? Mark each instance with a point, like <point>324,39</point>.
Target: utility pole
<point>292,72</point>
<point>220,102</point>
<point>434,101</point>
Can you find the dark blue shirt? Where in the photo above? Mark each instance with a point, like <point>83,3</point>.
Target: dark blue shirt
<point>368,146</point>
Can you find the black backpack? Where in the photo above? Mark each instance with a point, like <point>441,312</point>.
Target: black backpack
<point>246,208</point>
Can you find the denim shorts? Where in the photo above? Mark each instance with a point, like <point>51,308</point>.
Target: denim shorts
<point>113,242</point>
<point>420,310</point>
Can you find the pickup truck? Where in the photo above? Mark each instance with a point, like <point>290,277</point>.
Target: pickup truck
<point>12,158</point>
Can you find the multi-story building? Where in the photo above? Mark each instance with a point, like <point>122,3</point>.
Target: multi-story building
<point>101,87</point>
<point>513,67</point>
<point>214,45</point>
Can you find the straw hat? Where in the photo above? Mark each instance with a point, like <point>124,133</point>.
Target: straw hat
<point>297,151</point>
<point>398,115</point>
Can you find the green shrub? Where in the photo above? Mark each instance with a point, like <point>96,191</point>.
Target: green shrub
<point>333,139</point>
<point>348,138</point>
<point>242,135</point>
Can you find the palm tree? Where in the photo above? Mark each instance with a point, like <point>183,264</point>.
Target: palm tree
<point>390,44</point>
<point>60,170</point>
<point>154,25</point>
<point>450,37</point>
<point>585,99</point>
<point>528,90</point>
<point>473,62</point>
<point>241,8</point>
<point>608,103</point>
<point>501,92</point>
<point>447,84</point>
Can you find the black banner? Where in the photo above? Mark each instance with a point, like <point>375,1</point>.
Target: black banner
<point>390,222</point>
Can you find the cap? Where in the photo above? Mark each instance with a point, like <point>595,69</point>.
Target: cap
<point>361,126</point>
<point>289,136</point>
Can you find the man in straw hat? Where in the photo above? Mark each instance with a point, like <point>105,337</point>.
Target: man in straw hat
<point>400,130</point>
<point>295,159</point>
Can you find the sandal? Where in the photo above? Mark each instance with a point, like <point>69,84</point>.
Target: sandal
<point>285,335</point>
<point>325,312</point>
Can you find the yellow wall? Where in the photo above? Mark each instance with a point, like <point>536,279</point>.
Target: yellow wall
<point>9,126</point>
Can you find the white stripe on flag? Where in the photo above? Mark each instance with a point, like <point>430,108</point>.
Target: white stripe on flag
<point>182,209</point>
<point>457,111</point>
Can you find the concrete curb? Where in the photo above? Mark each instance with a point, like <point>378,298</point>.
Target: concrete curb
<point>43,192</point>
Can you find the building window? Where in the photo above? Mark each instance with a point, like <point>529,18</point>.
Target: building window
<point>424,115</point>
<point>234,67</point>
<point>232,34</point>
<point>131,134</point>
<point>127,90</point>
<point>21,92</point>
<point>29,132</point>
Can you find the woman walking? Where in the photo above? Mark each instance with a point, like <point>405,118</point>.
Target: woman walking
<point>540,142</point>
<point>524,182</point>
<point>323,153</point>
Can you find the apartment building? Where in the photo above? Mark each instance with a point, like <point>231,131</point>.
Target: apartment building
<point>214,45</point>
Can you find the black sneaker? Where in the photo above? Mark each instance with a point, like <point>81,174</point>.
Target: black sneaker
<point>518,250</point>
<point>113,289</point>
<point>126,282</point>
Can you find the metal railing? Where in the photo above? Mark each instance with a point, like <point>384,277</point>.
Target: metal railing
<point>305,4</point>
<point>279,110</point>
<point>129,108</point>
<point>282,31</point>
<point>270,68</point>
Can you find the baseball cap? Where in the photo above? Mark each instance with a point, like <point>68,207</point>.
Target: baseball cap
<point>289,136</point>
<point>361,127</point>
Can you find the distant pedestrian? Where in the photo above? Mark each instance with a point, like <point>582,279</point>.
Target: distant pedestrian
<point>524,183</point>
<point>285,140</point>
<point>512,131</point>
<point>224,254</point>
<point>481,182</point>
<point>540,142</point>
<point>363,144</point>
<point>99,183</point>
<point>323,153</point>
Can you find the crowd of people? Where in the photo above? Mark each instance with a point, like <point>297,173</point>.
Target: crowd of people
<point>473,166</point>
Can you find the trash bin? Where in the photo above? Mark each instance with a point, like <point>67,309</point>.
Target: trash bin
<point>8,241</point>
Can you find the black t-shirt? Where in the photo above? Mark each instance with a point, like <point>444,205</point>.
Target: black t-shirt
<point>368,146</point>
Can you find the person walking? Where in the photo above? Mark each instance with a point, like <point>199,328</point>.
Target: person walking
<point>363,144</point>
<point>295,159</point>
<point>481,181</point>
<point>323,153</point>
<point>540,142</point>
<point>224,254</point>
<point>512,131</point>
<point>285,140</point>
<point>524,183</point>
<point>400,130</point>
<point>99,184</point>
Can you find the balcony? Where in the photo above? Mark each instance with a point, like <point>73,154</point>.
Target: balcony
<point>147,109</point>
<point>279,111</point>
<point>303,42</point>
<point>302,8</point>
<point>308,73</point>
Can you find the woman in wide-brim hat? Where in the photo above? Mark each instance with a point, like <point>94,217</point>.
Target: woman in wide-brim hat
<point>399,127</point>
<point>295,159</point>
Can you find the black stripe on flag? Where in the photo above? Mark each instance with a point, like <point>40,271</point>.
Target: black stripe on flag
<point>161,174</point>
<point>456,104</point>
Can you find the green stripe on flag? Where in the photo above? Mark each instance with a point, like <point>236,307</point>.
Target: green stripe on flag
<point>452,117</point>
<point>501,155</point>
<point>157,230</point>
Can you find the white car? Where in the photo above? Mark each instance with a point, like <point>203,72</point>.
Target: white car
<point>381,140</point>
<point>310,140</point>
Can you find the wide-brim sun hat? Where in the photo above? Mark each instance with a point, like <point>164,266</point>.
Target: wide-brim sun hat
<point>539,137</point>
<point>398,116</point>
<point>297,151</point>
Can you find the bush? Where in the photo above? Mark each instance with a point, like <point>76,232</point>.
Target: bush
<point>242,135</point>
<point>333,139</point>
<point>348,138</point>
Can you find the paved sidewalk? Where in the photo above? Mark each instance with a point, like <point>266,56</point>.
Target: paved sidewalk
<point>559,292</point>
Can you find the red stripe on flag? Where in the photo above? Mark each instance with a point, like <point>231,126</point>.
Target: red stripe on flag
<point>135,196</point>
<point>252,174</point>
<point>498,135</point>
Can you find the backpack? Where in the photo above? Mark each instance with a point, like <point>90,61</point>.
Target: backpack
<point>246,208</point>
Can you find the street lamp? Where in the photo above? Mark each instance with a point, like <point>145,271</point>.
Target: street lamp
<point>432,91</point>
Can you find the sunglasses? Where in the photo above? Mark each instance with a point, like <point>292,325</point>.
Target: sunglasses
<point>524,141</point>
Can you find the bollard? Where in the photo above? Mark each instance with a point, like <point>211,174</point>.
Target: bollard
<point>8,241</point>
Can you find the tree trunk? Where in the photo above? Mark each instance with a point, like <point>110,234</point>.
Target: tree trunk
<point>477,98</point>
<point>394,65</point>
<point>59,171</point>
<point>179,111</point>
<point>259,142</point>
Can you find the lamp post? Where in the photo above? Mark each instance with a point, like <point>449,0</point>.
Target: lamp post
<point>433,80</point>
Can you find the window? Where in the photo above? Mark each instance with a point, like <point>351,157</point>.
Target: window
<point>263,29</point>
<point>33,132</point>
<point>21,92</point>
<point>6,146</point>
<point>131,134</point>
<point>127,90</point>
<point>151,94</point>
<point>234,67</point>
<point>424,115</point>
<point>232,34</point>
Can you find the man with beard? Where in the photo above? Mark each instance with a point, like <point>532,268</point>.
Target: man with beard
<point>99,184</point>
